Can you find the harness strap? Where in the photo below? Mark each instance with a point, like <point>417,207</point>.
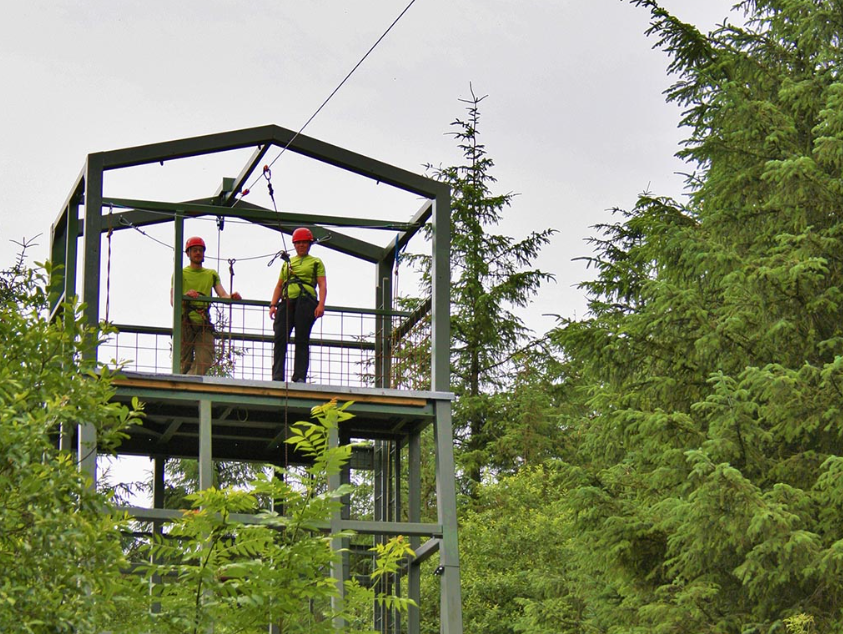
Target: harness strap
<point>292,278</point>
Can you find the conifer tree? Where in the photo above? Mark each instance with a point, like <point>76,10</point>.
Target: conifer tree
<point>708,484</point>
<point>491,278</point>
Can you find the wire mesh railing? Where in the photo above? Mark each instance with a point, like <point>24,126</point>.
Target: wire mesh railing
<point>348,346</point>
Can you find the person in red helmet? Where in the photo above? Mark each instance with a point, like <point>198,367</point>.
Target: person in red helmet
<point>297,305</point>
<point>197,331</point>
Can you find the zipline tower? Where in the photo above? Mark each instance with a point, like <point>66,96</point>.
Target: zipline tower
<point>243,415</point>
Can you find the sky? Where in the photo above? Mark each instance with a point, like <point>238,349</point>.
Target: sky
<point>575,118</point>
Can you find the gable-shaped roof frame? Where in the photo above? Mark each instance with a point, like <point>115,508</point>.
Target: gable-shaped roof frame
<point>88,191</point>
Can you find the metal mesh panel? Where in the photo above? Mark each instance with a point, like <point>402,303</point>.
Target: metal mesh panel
<point>343,347</point>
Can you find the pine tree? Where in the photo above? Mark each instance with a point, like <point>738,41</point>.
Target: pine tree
<point>708,484</point>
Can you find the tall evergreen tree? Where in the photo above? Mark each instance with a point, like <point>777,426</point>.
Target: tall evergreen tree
<point>708,485</point>
<point>491,278</point>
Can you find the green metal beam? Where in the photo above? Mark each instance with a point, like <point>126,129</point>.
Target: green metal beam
<point>417,222</point>
<point>258,215</point>
<point>449,558</point>
<point>148,212</point>
<point>440,328</point>
<point>245,174</point>
<point>291,401</point>
<point>58,257</point>
<point>177,292</point>
<point>275,135</point>
<point>93,240</point>
<point>206,462</point>
<point>87,448</point>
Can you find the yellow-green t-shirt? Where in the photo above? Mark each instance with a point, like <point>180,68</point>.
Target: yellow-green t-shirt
<point>306,269</point>
<point>202,281</point>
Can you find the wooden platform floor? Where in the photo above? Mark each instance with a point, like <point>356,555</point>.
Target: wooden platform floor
<point>250,418</point>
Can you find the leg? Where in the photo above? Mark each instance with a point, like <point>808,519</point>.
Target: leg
<point>282,328</point>
<point>304,318</point>
<point>188,337</point>
<point>204,350</point>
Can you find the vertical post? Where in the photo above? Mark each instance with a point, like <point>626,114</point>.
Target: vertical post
<point>440,379</point>
<point>178,223</point>
<point>58,257</point>
<point>383,321</point>
<point>451,608</point>
<point>384,512</point>
<point>414,516</point>
<point>395,617</point>
<point>92,239</point>
<point>338,570</point>
<point>87,437</point>
<point>70,250</point>
<point>449,559</point>
<point>66,286</point>
<point>159,462</point>
<point>206,463</point>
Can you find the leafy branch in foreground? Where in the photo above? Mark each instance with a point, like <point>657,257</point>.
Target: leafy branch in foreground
<point>60,542</point>
<point>229,564</point>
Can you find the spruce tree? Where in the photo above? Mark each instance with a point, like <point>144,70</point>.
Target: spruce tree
<point>708,484</point>
<point>492,277</point>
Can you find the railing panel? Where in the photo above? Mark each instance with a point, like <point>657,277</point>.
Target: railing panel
<point>342,346</point>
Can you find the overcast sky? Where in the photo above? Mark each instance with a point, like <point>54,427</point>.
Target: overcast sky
<point>575,118</point>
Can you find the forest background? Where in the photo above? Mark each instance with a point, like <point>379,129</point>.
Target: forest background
<point>674,456</point>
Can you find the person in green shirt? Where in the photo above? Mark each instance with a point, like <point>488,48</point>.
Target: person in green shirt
<point>296,305</point>
<point>197,331</point>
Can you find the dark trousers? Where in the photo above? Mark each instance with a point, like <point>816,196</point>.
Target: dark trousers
<point>293,314</point>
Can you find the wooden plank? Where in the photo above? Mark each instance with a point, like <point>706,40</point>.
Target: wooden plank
<point>279,392</point>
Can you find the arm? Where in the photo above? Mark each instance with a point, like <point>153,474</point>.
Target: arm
<point>322,283</point>
<point>276,297</point>
<point>220,289</point>
<point>191,293</point>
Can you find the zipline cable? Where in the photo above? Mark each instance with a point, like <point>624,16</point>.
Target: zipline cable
<point>334,92</point>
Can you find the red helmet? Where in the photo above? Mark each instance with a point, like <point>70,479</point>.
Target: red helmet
<point>195,241</point>
<point>303,234</point>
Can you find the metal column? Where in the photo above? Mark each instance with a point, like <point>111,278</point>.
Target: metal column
<point>206,462</point>
<point>449,562</point>
<point>87,440</point>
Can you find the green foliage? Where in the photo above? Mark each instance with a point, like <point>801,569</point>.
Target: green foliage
<point>706,486</point>
<point>216,567</point>
<point>800,624</point>
<point>182,478</point>
<point>60,548</point>
<point>516,562</point>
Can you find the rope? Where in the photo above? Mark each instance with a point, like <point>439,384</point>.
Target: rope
<point>267,175</point>
<point>334,92</point>
<point>230,308</point>
<point>126,223</point>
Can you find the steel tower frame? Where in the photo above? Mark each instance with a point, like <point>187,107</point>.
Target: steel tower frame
<point>393,418</point>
